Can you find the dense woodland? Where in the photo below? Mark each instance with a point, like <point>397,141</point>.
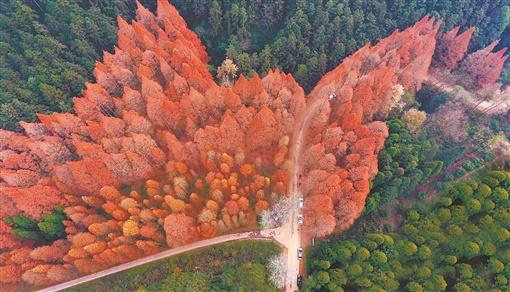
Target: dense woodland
<point>187,159</point>
<point>460,243</point>
<point>155,154</point>
<point>48,51</point>
<point>308,38</point>
<point>405,162</point>
<point>49,47</point>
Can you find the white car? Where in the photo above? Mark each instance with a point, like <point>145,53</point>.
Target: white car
<point>300,219</point>
<point>301,203</point>
<point>300,253</point>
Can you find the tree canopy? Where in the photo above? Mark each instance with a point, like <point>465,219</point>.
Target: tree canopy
<point>49,47</point>
<point>459,243</point>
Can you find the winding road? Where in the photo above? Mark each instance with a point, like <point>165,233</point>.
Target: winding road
<point>287,235</point>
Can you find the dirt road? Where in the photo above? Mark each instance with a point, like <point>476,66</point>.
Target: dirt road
<point>292,227</point>
<point>252,235</point>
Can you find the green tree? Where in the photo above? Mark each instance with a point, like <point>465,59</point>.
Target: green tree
<point>496,266</point>
<point>48,229</point>
<point>338,276</point>
<point>414,287</point>
<point>215,18</point>
<point>470,251</point>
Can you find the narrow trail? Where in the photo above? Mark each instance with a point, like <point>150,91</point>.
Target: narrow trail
<point>288,235</point>
<point>464,95</point>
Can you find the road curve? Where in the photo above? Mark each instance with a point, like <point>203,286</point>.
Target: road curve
<point>287,235</point>
<point>251,235</point>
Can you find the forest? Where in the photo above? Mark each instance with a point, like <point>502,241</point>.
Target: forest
<point>404,163</point>
<point>459,243</point>
<point>126,136</point>
<point>50,47</point>
<point>158,155</point>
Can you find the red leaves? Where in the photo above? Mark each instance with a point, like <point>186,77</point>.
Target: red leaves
<point>179,229</point>
<point>34,201</point>
<point>318,215</point>
<point>316,158</point>
<point>10,273</point>
<point>7,240</point>
<point>232,207</point>
<point>82,239</point>
<point>341,156</point>
<point>20,178</point>
<point>222,153</point>
<point>485,66</point>
<point>50,253</point>
<point>452,47</point>
<point>262,131</point>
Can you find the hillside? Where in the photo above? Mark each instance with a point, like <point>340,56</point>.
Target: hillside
<point>49,46</point>
<point>156,154</point>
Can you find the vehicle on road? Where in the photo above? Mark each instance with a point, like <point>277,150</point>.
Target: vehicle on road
<point>299,280</point>
<point>300,219</point>
<point>301,203</point>
<point>300,253</point>
<point>275,217</point>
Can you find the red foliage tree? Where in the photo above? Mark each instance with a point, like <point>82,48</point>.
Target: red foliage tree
<point>34,201</point>
<point>51,253</point>
<point>341,157</point>
<point>179,229</point>
<point>318,215</point>
<point>156,112</point>
<point>61,273</point>
<point>232,207</point>
<point>452,47</point>
<point>10,274</point>
<point>485,66</point>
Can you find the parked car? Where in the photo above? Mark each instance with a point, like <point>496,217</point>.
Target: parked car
<point>300,219</point>
<point>301,203</point>
<point>300,253</point>
<point>299,280</point>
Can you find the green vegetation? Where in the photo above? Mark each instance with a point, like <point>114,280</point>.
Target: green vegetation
<point>308,38</point>
<point>459,243</point>
<point>404,163</point>
<point>501,124</point>
<point>430,99</point>
<point>450,152</point>
<point>237,266</point>
<point>47,230</point>
<point>49,46</point>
